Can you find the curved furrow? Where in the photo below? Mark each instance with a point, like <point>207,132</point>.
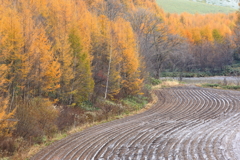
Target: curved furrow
<point>191,142</point>
<point>90,143</point>
<point>216,111</point>
<point>91,138</point>
<point>219,131</point>
<point>177,147</point>
<point>227,141</point>
<point>127,134</point>
<point>195,141</point>
<point>148,146</point>
<point>177,137</point>
<point>124,135</point>
<point>125,142</point>
<point>185,146</point>
<point>77,136</point>
<point>236,142</point>
<point>183,101</point>
<point>180,134</point>
<point>213,132</point>
<point>189,123</point>
<point>216,142</point>
<point>202,150</point>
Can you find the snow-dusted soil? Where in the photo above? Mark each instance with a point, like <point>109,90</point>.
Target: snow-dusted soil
<point>187,123</point>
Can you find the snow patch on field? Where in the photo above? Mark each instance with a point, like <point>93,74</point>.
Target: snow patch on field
<point>236,145</point>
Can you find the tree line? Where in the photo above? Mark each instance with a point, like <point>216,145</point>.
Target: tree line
<point>195,43</point>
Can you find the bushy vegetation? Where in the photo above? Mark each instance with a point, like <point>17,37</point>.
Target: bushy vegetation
<point>154,81</point>
<point>186,74</point>
<point>222,86</point>
<point>37,118</point>
<point>231,87</point>
<point>228,70</point>
<point>180,6</point>
<point>211,85</point>
<point>232,70</point>
<point>137,102</point>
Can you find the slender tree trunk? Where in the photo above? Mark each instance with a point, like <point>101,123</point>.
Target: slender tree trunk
<point>109,67</point>
<point>13,93</point>
<point>72,87</point>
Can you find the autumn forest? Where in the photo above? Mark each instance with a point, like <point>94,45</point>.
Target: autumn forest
<point>58,58</point>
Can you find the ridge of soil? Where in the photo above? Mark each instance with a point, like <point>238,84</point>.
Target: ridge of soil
<point>186,123</point>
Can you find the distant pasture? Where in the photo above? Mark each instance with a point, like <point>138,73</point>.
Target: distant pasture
<point>180,6</point>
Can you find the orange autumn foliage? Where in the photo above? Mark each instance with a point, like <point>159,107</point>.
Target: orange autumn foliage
<point>37,54</point>
<point>197,27</point>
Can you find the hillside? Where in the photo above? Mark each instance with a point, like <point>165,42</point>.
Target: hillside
<point>179,6</point>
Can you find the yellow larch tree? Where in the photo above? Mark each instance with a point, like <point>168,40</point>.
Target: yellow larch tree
<point>11,53</point>
<point>107,58</point>
<point>130,72</point>
<point>44,66</point>
<point>113,84</point>
<point>60,19</point>
<point>206,33</point>
<point>82,83</point>
<point>8,50</point>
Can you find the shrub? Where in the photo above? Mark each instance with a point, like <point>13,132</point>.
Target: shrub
<point>7,146</point>
<point>70,116</point>
<point>154,81</point>
<point>36,118</point>
<point>87,106</point>
<point>210,85</point>
<point>232,87</point>
<point>136,102</point>
<point>188,74</point>
<point>107,107</point>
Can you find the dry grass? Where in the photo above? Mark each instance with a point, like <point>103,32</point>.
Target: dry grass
<point>166,84</point>
<point>32,150</point>
<point>150,104</point>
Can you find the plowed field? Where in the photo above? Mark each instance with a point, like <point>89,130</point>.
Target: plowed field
<point>187,123</point>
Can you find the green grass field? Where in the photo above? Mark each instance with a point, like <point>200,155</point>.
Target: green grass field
<point>179,6</point>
